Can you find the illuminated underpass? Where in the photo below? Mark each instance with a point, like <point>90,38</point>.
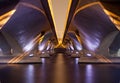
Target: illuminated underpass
<point>28,32</point>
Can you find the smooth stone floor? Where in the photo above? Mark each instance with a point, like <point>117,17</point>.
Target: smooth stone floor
<point>60,68</point>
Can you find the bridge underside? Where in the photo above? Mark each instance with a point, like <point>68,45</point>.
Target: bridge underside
<point>27,31</point>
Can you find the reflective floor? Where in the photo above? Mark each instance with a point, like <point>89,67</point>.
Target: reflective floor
<point>60,69</point>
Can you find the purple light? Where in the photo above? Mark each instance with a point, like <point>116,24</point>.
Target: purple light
<point>31,55</point>
<point>76,60</point>
<point>43,60</point>
<point>89,54</point>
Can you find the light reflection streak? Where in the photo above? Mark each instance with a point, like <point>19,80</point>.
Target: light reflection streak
<point>77,73</point>
<point>60,70</point>
<point>43,60</point>
<point>18,58</point>
<point>31,44</point>
<point>41,47</point>
<point>90,44</point>
<point>118,53</point>
<point>43,72</point>
<point>89,73</point>
<point>90,41</point>
<point>30,74</point>
<point>78,45</point>
<point>76,60</point>
<point>71,46</point>
<point>49,45</point>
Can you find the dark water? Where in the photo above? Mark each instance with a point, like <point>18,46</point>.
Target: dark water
<point>59,69</point>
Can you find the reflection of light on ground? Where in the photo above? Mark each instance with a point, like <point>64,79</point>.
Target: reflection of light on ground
<point>76,60</point>
<point>119,52</point>
<point>43,60</point>
<point>77,73</point>
<point>89,73</point>
<point>60,70</point>
<point>30,74</point>
<point>4,18</point>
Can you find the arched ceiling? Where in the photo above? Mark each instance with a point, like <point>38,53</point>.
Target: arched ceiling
<point>59,13</point>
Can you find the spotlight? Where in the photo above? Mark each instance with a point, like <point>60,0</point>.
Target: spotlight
<point>89,54</point>
<point>31,55</point>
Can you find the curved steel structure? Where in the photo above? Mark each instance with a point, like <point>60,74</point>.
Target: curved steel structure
<point>91,30</point>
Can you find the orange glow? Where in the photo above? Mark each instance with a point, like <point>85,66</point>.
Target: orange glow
<point>4,18</point>
<point>112,17</point>
<point>18,58</point>
<point>59,19</point>
<point>32,6</point>
<point>86,6</point>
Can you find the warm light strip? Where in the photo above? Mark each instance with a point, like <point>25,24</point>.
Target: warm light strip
<point>115,21</point>
<point>67,14</point>
<point>51,11</point>
<point>17,58</point>
<point>4,18</point>
<point>7,14</point>
<point>112,14</point>
<point>59,26</point>
<point>79,39</point>
<point>32,6</point>
<point>101,58</point>
<point>86,6</point>
<point>20,57</point>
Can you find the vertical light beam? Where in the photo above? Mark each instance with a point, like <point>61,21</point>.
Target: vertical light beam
<point>59,11</point>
